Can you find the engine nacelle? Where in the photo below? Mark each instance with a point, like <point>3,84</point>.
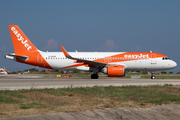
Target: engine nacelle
<point>114,71</point>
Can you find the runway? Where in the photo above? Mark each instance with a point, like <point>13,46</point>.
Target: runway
<point>14,82</point>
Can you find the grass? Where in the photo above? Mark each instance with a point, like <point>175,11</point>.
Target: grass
<point>41,101</point>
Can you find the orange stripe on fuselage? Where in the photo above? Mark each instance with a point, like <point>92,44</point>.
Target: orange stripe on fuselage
<point>129,56</point>
<point>76,65</point>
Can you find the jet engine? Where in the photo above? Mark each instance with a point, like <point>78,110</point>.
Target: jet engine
<point>114,71</point>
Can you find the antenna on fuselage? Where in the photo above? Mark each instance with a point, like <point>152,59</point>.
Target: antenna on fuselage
<point>150,51</point>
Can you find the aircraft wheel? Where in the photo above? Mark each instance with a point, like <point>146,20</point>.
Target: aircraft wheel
<point>94,76</point>
<point>153,77</point>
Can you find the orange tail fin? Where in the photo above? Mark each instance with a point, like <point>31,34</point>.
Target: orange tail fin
<point>20,42</point>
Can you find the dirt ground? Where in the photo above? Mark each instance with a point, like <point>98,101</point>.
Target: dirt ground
<point>160,112</point>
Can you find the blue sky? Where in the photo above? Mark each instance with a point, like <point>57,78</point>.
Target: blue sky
<point>93,25</point>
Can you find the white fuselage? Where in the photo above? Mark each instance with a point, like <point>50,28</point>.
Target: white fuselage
<point>57,60</point>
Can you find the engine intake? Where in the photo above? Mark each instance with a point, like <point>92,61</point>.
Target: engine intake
<point>114,71</point>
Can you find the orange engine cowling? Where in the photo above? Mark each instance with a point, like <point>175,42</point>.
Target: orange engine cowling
<point>114,71</point>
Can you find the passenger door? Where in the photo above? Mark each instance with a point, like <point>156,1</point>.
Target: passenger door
<point>153,58</point>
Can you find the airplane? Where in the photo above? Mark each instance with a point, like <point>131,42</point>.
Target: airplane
<point>113,64</point>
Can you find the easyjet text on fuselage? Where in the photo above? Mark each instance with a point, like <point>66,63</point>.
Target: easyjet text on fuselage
<point>137,56</point>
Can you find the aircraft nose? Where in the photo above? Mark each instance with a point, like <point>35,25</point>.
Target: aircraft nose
<point>173,64</point>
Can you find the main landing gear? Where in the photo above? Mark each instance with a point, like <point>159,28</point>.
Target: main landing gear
<point>152,75</point>
<point>94,76</point>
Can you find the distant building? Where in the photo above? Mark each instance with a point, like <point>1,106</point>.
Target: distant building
<point>47,71</point>
<point>3,71</point>
<point>149,73</point>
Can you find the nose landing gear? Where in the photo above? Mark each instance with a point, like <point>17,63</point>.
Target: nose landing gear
<point>152,75</point>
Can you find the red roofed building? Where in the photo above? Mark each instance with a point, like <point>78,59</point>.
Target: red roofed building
<point>3,71</point>
<point>47,71</point>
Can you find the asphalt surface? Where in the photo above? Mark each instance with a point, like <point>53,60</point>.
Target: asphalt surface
<point>14,82</point>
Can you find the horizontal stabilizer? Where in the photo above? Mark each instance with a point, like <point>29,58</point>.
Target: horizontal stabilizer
<point>13,57</point>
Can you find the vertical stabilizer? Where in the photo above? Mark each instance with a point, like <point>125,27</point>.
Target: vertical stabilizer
<point>20,42</point>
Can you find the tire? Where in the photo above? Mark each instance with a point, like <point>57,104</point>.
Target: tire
<point>94,76</point>
<point>153,77</point>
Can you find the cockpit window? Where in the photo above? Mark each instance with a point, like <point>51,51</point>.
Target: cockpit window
<point>165,58</point>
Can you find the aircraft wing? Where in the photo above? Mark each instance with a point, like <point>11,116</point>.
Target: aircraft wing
<point>86,62</point>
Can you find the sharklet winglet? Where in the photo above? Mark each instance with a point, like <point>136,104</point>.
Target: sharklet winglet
<point>65,52</point>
